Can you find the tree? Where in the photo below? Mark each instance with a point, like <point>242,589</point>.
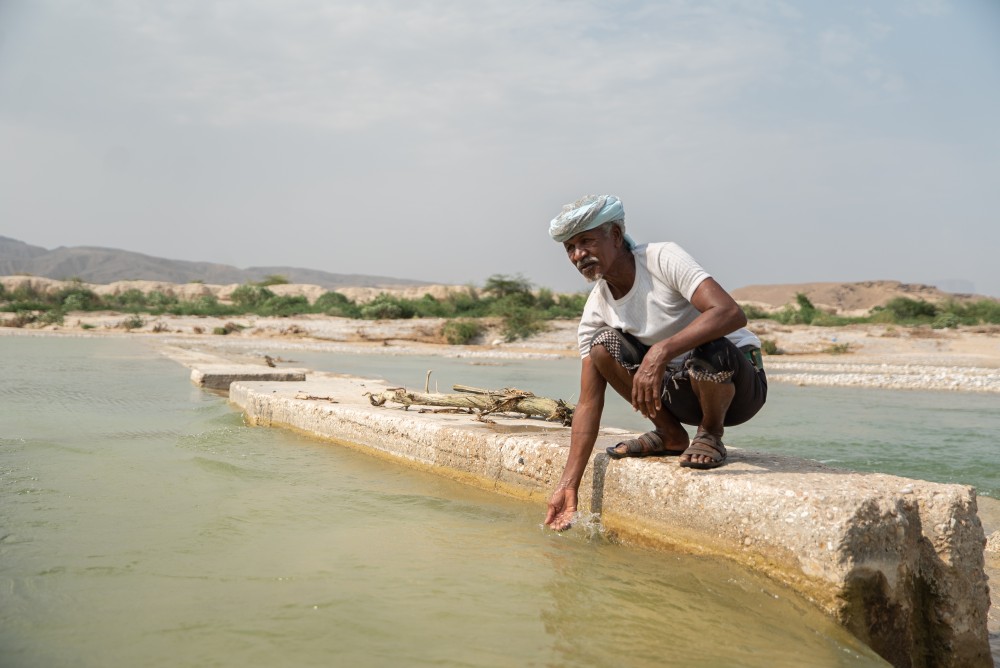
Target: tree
<point>501,285</point>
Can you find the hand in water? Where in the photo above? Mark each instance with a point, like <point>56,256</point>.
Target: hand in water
<point>562,508</point>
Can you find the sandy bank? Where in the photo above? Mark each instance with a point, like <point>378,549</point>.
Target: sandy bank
<point>964,359</point>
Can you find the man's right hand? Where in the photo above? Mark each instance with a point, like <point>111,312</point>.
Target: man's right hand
<point>647,383</point>
<point>562,508</point>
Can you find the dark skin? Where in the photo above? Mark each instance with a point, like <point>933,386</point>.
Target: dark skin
<point>598,253</point>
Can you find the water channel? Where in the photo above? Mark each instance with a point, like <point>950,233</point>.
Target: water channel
<point>142,524</point>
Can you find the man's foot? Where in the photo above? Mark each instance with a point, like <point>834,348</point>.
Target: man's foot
<point>649,444</point>
<point>705,452</point>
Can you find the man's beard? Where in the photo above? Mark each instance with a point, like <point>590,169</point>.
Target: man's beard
<point>582,267</point>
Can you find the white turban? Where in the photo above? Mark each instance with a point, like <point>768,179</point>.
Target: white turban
<point>587,213</point>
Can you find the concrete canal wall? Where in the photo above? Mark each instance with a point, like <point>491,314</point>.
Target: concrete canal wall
<point>898,562</point>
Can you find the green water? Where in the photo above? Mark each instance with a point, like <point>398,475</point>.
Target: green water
<point>142,524</point>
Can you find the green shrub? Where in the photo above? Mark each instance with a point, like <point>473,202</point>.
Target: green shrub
<point>467,304</point>
<point>520,322</point>
<point>520,299</point>
<point>385,307</point>
<point>501,305</point>
<point>273,279</point>
<point>986,311</point>
<point>79,299</point>
<point>806,309</point>
<point>802,314</point>
<point>133,300</point>
<point>983,311</point>
<point>946,321</point>
<point>754,312</point>
<point>228,328</point>
<point>26,294</point>
<point>51,317</point>
<point>134,321</point>
<point>545,299</point>
<point>336,304</point>
<point>250,297</point>
<point>904,309</point>
<point>202,305</point>
<point>788,316</point>
<point>235,327</point>
<point>159,302</point>
<point>824,319</point>
<point>430,306</point>
<point>25,305</point>
<point>461,332</point>
<point>284,306</point>
<point>567,306</point>
<point>770,347</point>
<point>20,319</point>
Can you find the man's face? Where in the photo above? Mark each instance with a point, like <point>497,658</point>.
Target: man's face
<point>591,252</point>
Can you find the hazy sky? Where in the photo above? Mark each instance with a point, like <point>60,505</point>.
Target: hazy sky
<point>777,141</point>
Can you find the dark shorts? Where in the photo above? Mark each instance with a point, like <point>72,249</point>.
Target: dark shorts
<point>719,359</point>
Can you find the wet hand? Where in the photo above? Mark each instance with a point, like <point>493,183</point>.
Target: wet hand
<point>562,508</point>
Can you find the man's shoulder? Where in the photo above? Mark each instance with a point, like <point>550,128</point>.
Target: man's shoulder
<point>660,252</point>
<point>658,246</point>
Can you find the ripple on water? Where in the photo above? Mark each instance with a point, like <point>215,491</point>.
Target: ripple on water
<point>140,435</point>
<point>230,470</point>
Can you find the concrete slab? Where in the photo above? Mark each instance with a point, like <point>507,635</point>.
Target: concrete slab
<point>221,376</point>
<point>218,373</point>
<point>899,562</point>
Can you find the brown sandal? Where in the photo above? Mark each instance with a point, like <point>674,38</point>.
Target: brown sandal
<point>708,445</point>
<point>649,444</point>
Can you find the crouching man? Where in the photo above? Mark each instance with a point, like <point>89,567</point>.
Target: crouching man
<point>665,336</point>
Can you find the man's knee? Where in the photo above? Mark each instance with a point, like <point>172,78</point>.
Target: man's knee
<point>715,361</point>
<point>602,358</point>
<point>624,349</point>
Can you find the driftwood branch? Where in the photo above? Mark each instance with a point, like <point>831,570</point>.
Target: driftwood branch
<point>480,401</point>
<point>311,397</point>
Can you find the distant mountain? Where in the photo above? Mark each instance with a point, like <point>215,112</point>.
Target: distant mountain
<point>107,265</point>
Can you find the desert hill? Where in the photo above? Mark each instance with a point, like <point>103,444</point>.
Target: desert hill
<point>845,298</point>
<point>108,265</point>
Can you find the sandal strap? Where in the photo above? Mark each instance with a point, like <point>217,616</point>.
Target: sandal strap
<point>648,442</point>
<point>707,444</point>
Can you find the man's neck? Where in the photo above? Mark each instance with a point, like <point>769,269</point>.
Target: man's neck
<point>621,275</point>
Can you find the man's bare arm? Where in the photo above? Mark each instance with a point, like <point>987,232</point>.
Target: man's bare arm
<point>720,315</point>
<point>586,423</point>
